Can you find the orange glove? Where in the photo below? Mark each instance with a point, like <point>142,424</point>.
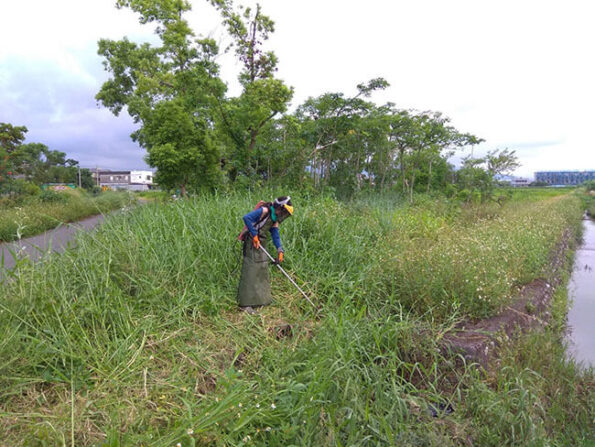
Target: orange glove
<point>280,257</point>
<point>256,242</point>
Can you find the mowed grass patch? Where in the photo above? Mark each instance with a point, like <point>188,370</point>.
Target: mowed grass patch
<point>134,337</point>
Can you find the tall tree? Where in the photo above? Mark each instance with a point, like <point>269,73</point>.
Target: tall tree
<point>478,174</point>
<point>431,137</point>
<point>11,138</point>
<point>334,128</point>
<point>263,97</point>
<point>39,164</point>
<point>170,91</point>
<point>501,161</point>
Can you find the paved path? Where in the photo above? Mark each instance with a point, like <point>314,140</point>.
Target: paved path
<point>36,246</point>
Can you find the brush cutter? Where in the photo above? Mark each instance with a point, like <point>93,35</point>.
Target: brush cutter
<point>286,275</point>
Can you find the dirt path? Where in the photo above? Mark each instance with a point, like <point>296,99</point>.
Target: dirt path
<point>56,240</point>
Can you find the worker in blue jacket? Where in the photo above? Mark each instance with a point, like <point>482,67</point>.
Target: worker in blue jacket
<point>255,287</point>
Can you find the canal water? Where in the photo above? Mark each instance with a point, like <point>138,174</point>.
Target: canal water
<point>581,291</point>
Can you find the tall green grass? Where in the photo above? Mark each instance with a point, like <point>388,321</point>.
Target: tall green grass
<point>471,266</point>
<point>590,203</point>
<point>134,337</point>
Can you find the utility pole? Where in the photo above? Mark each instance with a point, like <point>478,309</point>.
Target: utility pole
<point>79,177</point>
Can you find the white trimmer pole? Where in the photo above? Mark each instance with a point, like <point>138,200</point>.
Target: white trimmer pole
<point>286,275</point>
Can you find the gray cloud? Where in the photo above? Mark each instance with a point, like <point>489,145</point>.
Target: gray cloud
<point>58,107</point>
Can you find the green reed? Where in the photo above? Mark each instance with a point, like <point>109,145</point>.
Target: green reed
<point>134,338</point>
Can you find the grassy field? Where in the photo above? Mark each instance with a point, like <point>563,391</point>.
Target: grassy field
<point>134,338</point>
<point>590,203</point>
<point>37,214</point>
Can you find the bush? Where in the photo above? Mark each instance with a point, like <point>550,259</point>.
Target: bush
<point>31,189</point>
<point>450,190</point>
<point>49,196</point>
<point>19,187</point>
<point>464,195</point>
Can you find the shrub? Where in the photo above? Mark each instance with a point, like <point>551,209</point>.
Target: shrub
<point>49,196</point>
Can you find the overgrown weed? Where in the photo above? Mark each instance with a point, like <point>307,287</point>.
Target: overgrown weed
<point>137,330</point>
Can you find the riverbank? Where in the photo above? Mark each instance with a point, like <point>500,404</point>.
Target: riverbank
<point>530,309</point>
<point>137,338</point>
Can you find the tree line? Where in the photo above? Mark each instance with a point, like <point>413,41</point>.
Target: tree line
<point>25,164</point>
<point>199,137</point>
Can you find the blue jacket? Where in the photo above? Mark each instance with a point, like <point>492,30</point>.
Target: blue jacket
<point>253,217</point>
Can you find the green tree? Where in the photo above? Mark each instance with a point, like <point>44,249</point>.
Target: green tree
<point>431,139</point>
<point>38,164</point>
<point>170,90</point>
<point>337,130</point>
<point>281,155</point>
<point>175,141</point>
<point>263,97</point>
<point>478,174</point>
<point>86,178</point>
<point>28,160</point>
<point>11,138</point>
<point>501,161</point>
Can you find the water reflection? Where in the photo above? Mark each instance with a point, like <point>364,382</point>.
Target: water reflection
<point>581,316</point>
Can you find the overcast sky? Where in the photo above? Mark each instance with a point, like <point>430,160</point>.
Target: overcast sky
<point>519,74</point>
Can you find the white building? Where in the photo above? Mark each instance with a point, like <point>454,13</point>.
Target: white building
<point>130,180</point>
<point>520,182</point>
<point>141,177</point>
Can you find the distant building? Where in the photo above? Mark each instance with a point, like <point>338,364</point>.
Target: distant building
<point>561,178</point>
<point>520,182</point>
<point>513,181</point>
<point>130,180</point>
